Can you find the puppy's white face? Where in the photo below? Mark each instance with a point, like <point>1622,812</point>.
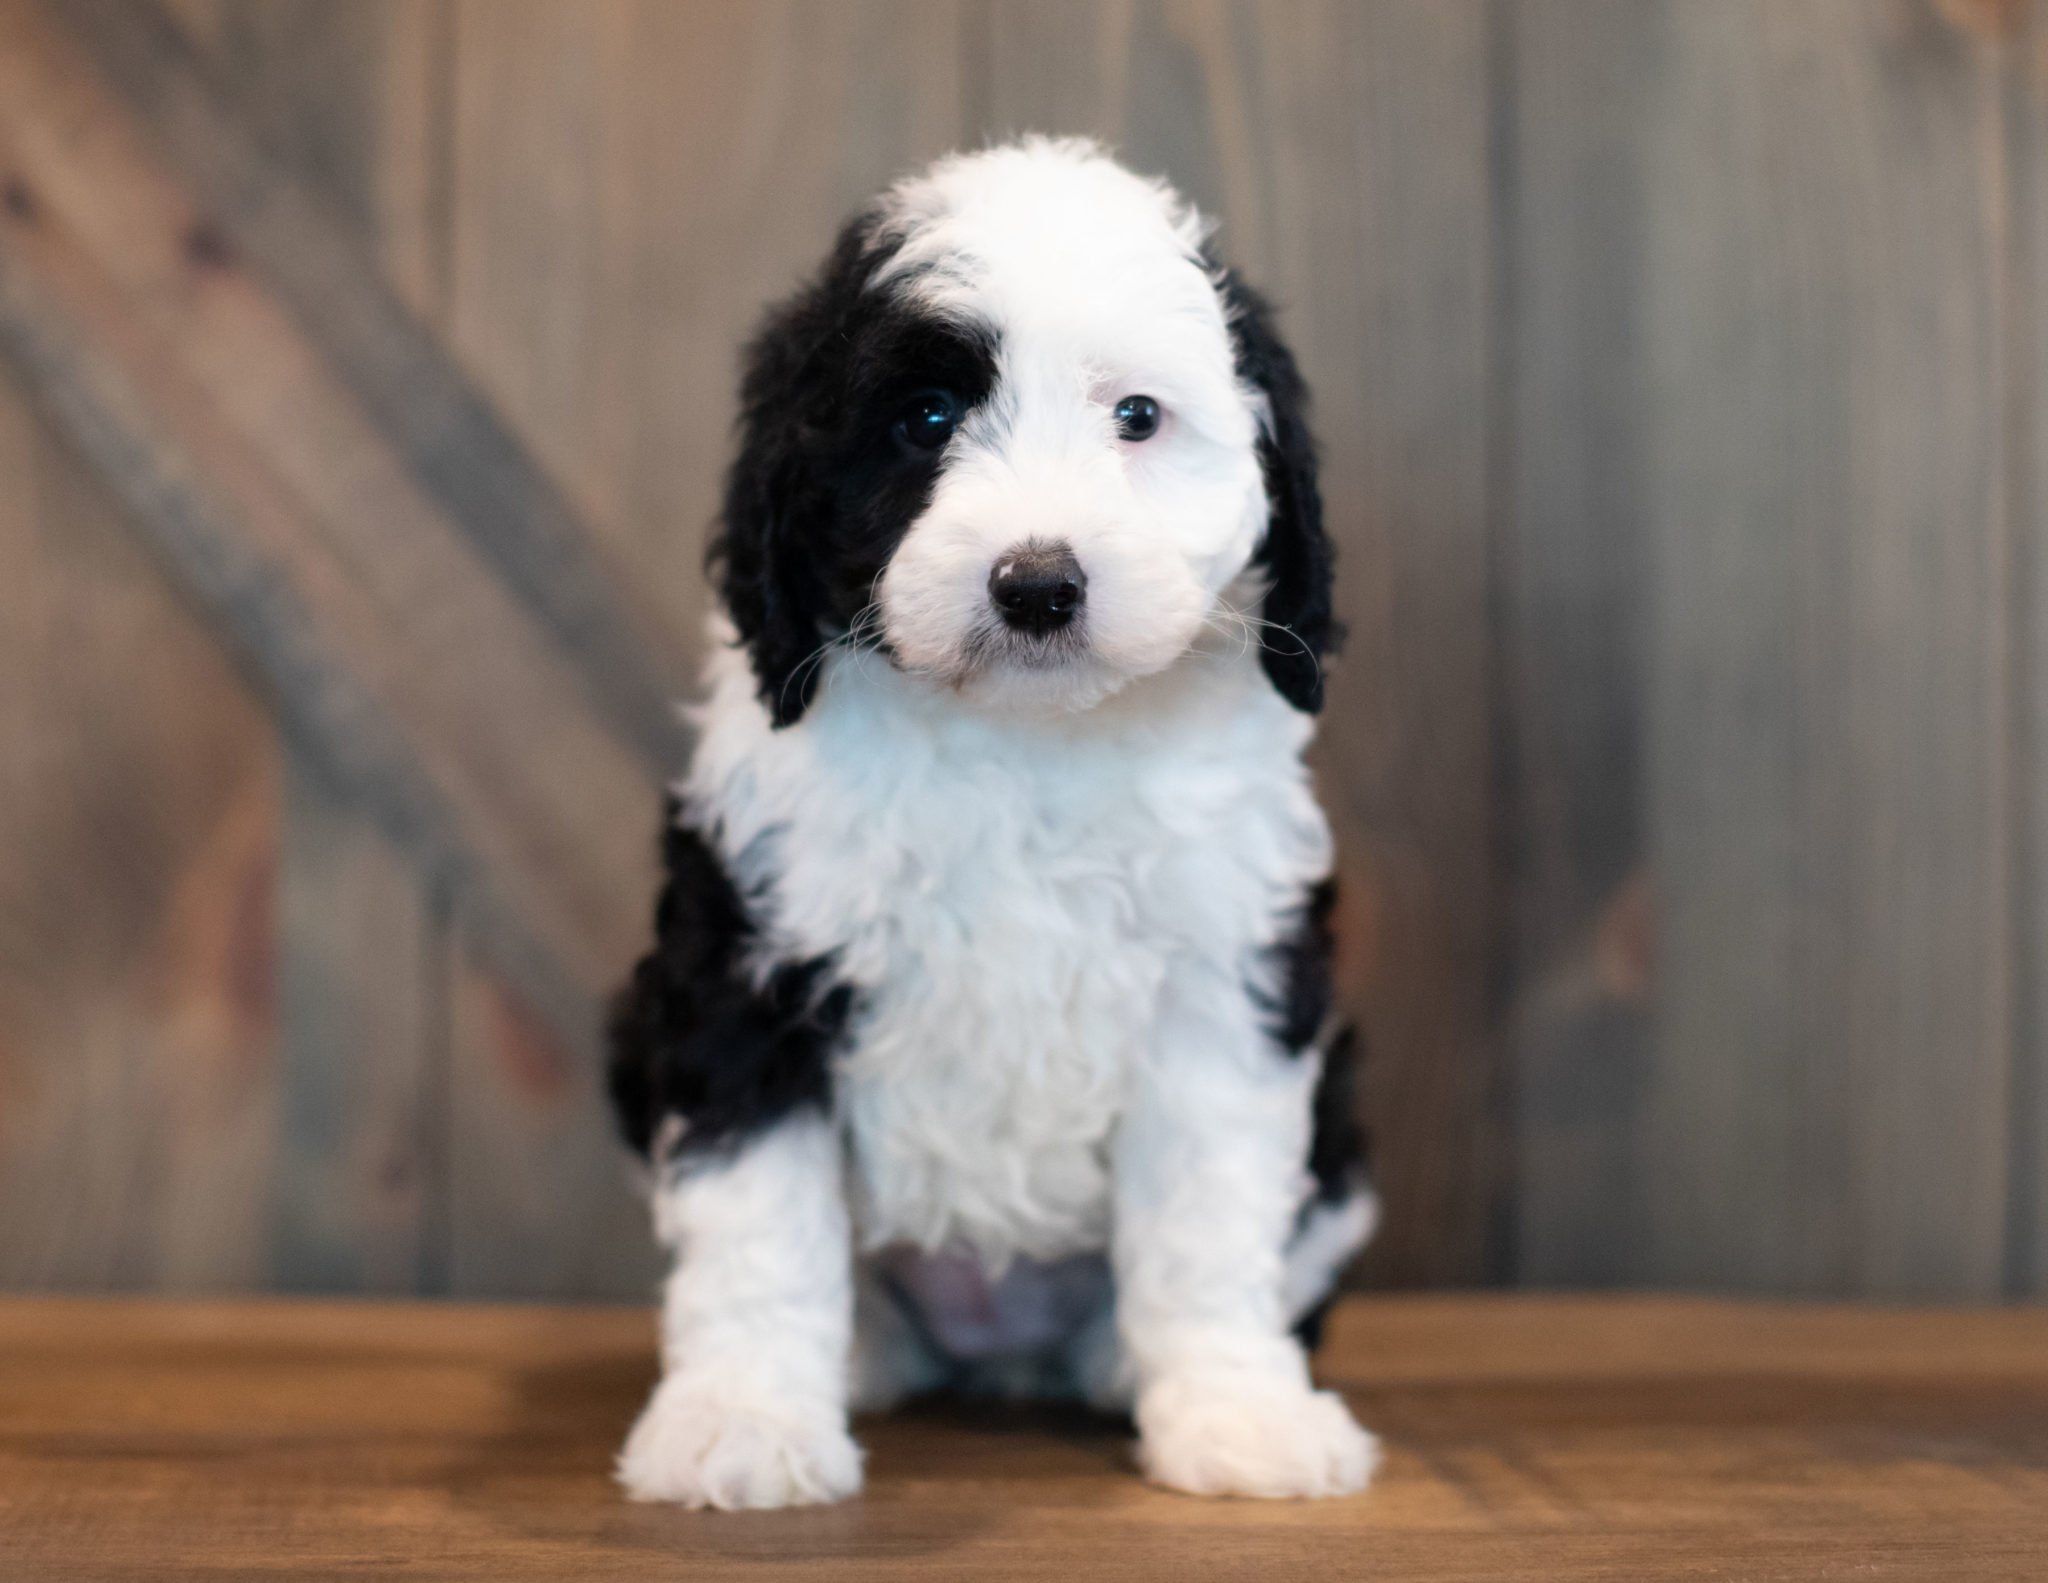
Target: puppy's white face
<point>1020,436</point>
<point>1092,503</point>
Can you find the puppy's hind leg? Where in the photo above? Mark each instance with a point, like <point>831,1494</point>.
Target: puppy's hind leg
<point>893,1357</point>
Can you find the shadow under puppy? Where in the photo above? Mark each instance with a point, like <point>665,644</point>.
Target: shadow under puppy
<point>985,1038</point>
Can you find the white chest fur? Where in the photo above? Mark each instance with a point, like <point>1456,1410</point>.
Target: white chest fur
<point>1012,900</point>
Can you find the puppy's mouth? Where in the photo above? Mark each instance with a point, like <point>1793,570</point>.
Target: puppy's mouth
<point>993,647</point>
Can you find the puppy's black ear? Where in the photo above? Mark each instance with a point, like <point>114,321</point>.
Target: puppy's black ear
<point>1297,557</point>
<point>765,558</point>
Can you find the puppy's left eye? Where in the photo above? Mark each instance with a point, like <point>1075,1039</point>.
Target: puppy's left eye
<point>928,420</point>
<point>1137,418</point>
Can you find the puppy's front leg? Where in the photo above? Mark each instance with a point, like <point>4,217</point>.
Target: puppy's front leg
<point>756,1326</point>
<point>1210,1172</point>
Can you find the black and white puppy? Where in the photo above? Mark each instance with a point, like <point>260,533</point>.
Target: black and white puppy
<point>983,1043</point>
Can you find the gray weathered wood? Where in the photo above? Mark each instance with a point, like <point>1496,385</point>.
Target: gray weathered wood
<point>1576,89</point>
<point>2025,305</point>
<point>451,440</point>
<point>1804,222</point>
<point>354,101</point>
<point>1826,378</point>
<point>360,1202</point>
<point>1681,368</point>
<point>423,665</point>
<point>541,1192</point>
<point>138,847</point>
<point>110,421</point>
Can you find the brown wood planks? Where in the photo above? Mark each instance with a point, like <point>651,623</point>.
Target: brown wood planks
<point>1526,1439</point>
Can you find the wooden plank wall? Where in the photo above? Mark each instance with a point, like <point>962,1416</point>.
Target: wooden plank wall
<point>1767,635</point>
<point>2025,150</point>
<point>1680,366</point>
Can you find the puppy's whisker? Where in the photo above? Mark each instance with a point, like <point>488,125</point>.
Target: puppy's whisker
<point>865,630</point>
<point>864,634</point>
<point>810,662</point>
<point>1256,626</point>
<point>1238,626</point>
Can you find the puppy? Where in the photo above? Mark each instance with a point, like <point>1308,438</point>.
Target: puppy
<point>984,1043</point>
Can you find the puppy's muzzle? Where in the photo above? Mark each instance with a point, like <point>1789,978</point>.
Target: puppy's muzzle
<point>1038,589</point>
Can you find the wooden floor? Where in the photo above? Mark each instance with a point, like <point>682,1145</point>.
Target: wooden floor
<point>1527,1438</point>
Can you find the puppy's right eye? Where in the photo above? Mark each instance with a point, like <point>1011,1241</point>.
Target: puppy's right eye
<point>928,420</point>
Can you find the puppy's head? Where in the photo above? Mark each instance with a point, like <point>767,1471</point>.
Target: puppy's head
<point>1025,439</point>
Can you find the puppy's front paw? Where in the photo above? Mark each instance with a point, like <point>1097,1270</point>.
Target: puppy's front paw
<point>1233,1436</point>
<point>705,1446</point>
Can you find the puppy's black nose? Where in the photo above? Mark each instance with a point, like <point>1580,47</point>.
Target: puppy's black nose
<point>1038,588</point>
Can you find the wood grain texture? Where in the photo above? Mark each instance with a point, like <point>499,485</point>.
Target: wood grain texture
<point>2025,306</point>
<point>1344,149</point>
<point>1827,754</point>
<point>510,1181</point>
<point>1681,371</point>
<point>1761,603</point>
<point>543,1197</point>
<point>457,451</point>
<point>353,101</point>
<point>1526,1439</point>
<point>1575,89</point>
<point>137,878</point>
<point>220,386</point>
<point>360,1203</point>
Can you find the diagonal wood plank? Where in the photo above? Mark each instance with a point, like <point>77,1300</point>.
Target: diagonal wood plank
<point>239,446</point>
<point>450,439</point>
<point>355,101</point>
<point>200,535</point>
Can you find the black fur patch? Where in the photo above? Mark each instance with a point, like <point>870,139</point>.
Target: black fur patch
<point>1339,1152</point>
<point>1297,556</point>
<point>1306,957</point>
<point>693,1035</point>
<point>1308,1329</point>
<point>821,492</point>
